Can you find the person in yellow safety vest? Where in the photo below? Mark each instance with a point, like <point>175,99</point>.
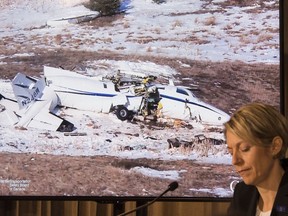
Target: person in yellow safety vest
<point>152,98</point>
<point>159,110</point>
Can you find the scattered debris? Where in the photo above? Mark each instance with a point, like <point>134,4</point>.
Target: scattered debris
<point>176,143</point>
<point>198,139</point>
<point>75,134</point>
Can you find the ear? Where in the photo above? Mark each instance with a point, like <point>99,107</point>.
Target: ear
<point>277,143</point>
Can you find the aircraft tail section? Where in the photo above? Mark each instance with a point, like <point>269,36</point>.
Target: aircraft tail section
<point>27,89</point>
<point>34,105</point>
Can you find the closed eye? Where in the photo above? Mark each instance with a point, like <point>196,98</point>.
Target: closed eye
<point>245,149</point>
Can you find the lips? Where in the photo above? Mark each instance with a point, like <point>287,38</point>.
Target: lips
<point>242,171</point>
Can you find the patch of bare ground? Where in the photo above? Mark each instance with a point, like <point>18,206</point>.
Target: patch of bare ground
<point>105,21</point>
<point>104,177</point>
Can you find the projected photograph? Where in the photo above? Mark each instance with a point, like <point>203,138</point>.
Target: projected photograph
<point>117,99</point>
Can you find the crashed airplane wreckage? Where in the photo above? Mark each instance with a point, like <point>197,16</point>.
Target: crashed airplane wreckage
<point>35,105</point>
<point>39,98</point>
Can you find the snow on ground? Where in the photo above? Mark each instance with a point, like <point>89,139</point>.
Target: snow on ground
<point>105,134</point>
<point>189,29</point>
<point>27,14</point>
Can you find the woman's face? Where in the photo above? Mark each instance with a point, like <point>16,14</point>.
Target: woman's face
<point>252,162</point>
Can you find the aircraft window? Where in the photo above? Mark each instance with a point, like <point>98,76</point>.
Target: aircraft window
<point>182,91</point>
<point>193,95</point>
<point>105,85</point>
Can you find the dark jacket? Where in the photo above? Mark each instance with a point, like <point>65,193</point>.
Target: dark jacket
<point>245,198</point>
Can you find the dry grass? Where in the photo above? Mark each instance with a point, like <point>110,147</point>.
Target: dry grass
<point>117,175</point>
<point>176,24</point>
<point>257,91</point>
<point>210,21</point>
<point>264,37</point>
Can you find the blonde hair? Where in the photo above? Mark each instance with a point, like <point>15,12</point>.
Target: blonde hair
<point>259,124</point>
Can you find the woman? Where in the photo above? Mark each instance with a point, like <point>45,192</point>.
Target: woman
<point>257,138</point>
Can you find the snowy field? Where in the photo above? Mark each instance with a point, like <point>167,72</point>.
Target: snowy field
<point>197,30</point>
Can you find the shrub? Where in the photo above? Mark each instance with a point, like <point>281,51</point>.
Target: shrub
<point>105,7</point>
<point>159,1</point>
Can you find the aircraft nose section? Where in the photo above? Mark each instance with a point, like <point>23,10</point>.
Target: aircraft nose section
<point>224,118</point>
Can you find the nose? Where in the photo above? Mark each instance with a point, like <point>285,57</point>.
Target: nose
<point>236,158</point>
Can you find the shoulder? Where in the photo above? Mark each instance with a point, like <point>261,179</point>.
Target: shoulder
<point>244,200</point>
<point>284,163</point>
<point>284,181</point>
<point>280,204</point>
<point>243,190</point>
<point>241,187</point>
